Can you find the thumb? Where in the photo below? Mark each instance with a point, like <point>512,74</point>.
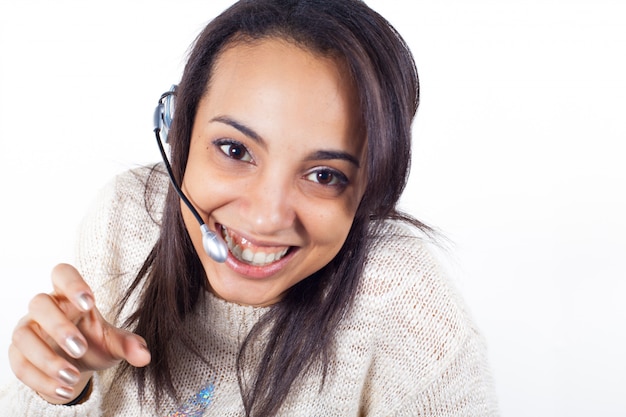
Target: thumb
<point>130,347</point>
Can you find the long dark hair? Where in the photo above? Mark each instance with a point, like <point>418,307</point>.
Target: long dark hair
<point>302,325</point>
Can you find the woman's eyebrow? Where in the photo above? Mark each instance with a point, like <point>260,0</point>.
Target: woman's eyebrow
<point>328,155</point>
<point>240,127</point>
<point>321,155</point>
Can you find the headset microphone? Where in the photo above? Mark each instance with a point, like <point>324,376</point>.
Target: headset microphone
<point>163,116</point>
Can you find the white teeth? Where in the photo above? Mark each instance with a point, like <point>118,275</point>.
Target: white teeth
<point>259,258</point>
<point>236,251</point>
<point>249,256</point>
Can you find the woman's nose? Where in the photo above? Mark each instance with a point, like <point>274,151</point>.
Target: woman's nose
<point>270,205</point>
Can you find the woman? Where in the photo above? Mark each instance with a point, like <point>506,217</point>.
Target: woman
<point>291,139</point>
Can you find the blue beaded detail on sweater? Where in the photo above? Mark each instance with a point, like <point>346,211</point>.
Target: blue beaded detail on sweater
<point>196,405</point>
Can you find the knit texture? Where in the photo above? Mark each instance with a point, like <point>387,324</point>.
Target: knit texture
<point>407,348</point>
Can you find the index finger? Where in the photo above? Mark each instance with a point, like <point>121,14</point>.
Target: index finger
<point>67,282</point>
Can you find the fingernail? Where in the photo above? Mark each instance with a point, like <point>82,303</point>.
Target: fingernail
<point>64,393</point>
<point>85,301</point>
<point>75,347</point>
<point>69,376</point>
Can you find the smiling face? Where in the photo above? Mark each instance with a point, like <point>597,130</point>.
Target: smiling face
<point>275,167</point>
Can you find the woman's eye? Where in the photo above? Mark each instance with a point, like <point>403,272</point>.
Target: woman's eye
<point>236,151</point>
<point>327,177</point>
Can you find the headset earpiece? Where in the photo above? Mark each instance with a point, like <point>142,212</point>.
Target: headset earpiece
<point>164,113</point>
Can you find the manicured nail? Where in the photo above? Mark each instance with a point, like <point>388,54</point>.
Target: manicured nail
<point>69,376</point>
<point>64,393</point>
<point>85,301</point>
<point>75,347</point>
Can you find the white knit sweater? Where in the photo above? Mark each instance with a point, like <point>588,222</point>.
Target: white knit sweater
<point>408,348</point>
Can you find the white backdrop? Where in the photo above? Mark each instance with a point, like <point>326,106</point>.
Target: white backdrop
<point>518,160</point>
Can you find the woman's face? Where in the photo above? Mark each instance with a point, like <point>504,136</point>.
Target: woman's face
<point>276,167</point>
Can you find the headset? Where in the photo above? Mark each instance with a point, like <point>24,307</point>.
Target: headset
<point>163,117</point>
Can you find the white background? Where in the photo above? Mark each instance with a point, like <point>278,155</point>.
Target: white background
<point>519,160</point>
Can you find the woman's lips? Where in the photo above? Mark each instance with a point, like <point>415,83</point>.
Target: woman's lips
<point>272,258</point>
<point>249,253</point>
